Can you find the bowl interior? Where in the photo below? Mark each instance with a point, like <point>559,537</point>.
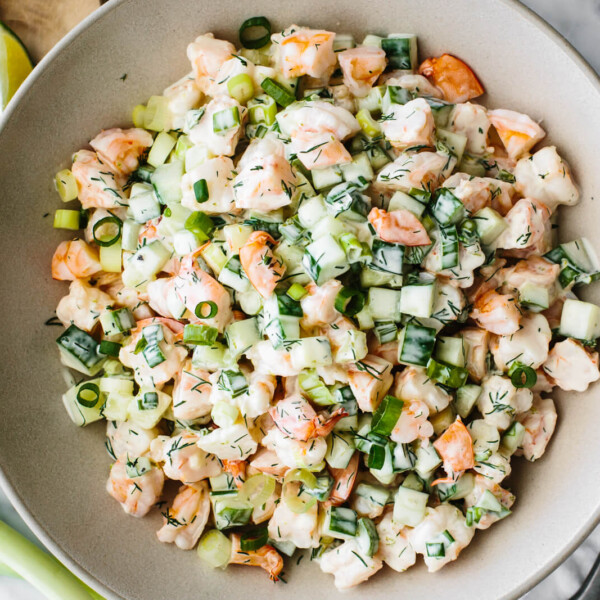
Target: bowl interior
<point>56,472</point>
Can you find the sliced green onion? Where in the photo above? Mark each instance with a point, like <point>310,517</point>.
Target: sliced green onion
<point>202,335</point>
<point>258,489</point>
<point>215,549</point>
<point>376,458</point>
<point>522,376</point>
<point>109,348</point>
<point>299,501</point>
<point>435,550</point>
<point>88,395</point>
<point>138,116</point>
<point>281,95</point>
<point>262,110</point>
<point>225,120</point>
<point>241,88</point>
<point>103,223</point>
<point>255,32</point>
<point>66,185</point>
<point>386,416</point>
<point>201,307</point>
<point>201,190</point>
<point>473,515</point>
<point>296,291</point>
<point>233,382</point>
<point>312,386</point>
<point>350,301</point>
<point>369,126</point>
<point>149,401</point>
<point>200,224</point>
<point>254,539</point>
<point>66,219</point>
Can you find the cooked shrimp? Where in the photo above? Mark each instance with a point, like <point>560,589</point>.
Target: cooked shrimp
<point>530,344</point>
<point>399,226</point>
<point>476,349</point>
<point>194,286</point>
<point>506,498</point>
<point>185,520</point>
<point>98,185</point>
<point>191,393</point>
<point>519,133</point>
<point>343,481</point>
<point>302,529</point>
<point>263,269</point>
<point>296,418</point>
<point>137,495</point>
<point>370,379</point>
<point>478,192</point>
<point>409,125</point>
<point>527,221</point>
<point>75,259</point>
<point>265,180</point>
<point>438,521</point>
<point>183,95</point>
<point>237,470</point>
<point>121,149</point>
<point>421,170</point>
<point>266,557</point>
<point>218,174</point>
<point>497,313</point>
<point>413,423</point>
<point>413,82</point>
<point>128,438</point>
<point>546,177</point>
<point>387,351</point>
<point>266,461</point>
<point>82,306</point>
<point>273,361</point>
<point>319,304</point>
<point>294,453</point>
<point>539,423</point>
<point>571,367</point>
<point>219,442</point>
<point>304,51</point>
<point>207,55</point>
<point>348,565</point>
<point>219,143</point>
<point>454,77</point>
<point>319,150</point>
<point>361,68</point>
<point>162,297</point>
<point>394,548</point>
<point>182,459</point>
<point>499,401</point>
<point>495,468</point>
<point>413,384</point>
<point>257,400</point>
<point>470,258</point>
<point>145,375</point>
<point>536,270</point>
<point>456,449</point>
<point>471,120</point>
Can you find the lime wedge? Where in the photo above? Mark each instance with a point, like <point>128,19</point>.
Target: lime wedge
<point>15,64</point>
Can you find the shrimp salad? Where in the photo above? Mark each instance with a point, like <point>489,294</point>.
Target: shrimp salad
<point>318,287</point>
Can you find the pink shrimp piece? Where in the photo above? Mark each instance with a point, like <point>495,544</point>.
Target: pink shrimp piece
<point>137,495</point>
<point>319,304</point>
<point>320,150</point>
<point>482,484</point>
<point>518,132</point>
<point>237,469</point>
<point>343,482</point>
<point>361,67</point>
<point>477,342</point>
<point>83,305</point>
<point>497,313</point>
<point>259,263</point>
<point>306,52</point>
<point>207,55</point>
<point>75,260</point>
<point>571,366</point>
<point>455,446</point>
<point>121,149</point>
<point>370,379</point>
<point>266,461</point>
<point>527,222</point>
<point>193,285</point>
<point>185,520</point>
<point>296,418</point>
<point>266,557</point>
<point>453,76</point>
<point>536,270</point>
<point>399,226</point>
<point>387,351</point>
<point>191,394</point>
<point>98,186</point>
<point>539,422</point>
<point>413,423</point>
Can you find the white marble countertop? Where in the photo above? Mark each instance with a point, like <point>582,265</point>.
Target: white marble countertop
<point>579,22</point>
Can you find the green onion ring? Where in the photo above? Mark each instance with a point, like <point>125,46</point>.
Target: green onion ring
<point>105,221</point>
<point>213,309</point>
<point>254,539</point>
<point>299,502</point>
<point>386,416</point>
<point>92,387</point>
<point>253,41</point>
<point>258,489</point>
<point>109,348</point>
<point>282,96</point>
<point>516,372</point>
<point>349,301</point>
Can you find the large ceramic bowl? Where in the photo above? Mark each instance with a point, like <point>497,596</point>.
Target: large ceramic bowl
<point>55,473</point>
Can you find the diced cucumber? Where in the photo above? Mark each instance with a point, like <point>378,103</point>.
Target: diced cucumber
<point>147,261</point>
<point>222,484</point>
<point>313,387</point>
<point>449,247</point>
<point>79,351</point>
<point>442,420</point>
<point>352,347</point>
<point>486,439</point>
<point>329,225</point>
<point>166,181</point>
<point>417,300</point>
<point>372,101</point>
<point>242,335</point>
<point>370,498</point>
<point>403,201</point>
<point>409,507</point>
<point>415,344</point>
<point>236,235</point>
<point>117,321</point>
<point>84,402</point>
<point>401,51</point>
<point>442,111</point>
<point>512,439</point>
<point>580,320</point>
<point>146,414</point>
<point>404,458</point>
<point>144,207</point>
<point>428,460</point>
<point>161,148</point>
<point>174,220</point>
<point>250,302</point>
<point>212,357</point>
<point>490,224</point>
<point>214,257</point>
<point>231,511</point>
<point>346,200</point>
<point>340,523</point>
<point>535,297</point>
<point>413,482</point>
<point>384,304</point>
<point>387,256</point>
<point>386,473</point>
<point>327,177</point>
<point>447,209</point>
<point>196,156</point>
<point>457,490</point>
<point>370,277</point>
<point>340,449</point>
<point>455,142</point>
<point>471,165</point>
<point>450,350</point>
<point>323,488</point>
<point>367,537</point>
<point>372,41</point>
<point>310,352</point>
<point>581,254</point>
<point>378,157</point>
<point>324,259</point>
<point>466,397</point>
<point>359,170</point>
<point>489,502</point>
<point>234,276</point>
<point>311,211</point>
<point>129,235</point>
